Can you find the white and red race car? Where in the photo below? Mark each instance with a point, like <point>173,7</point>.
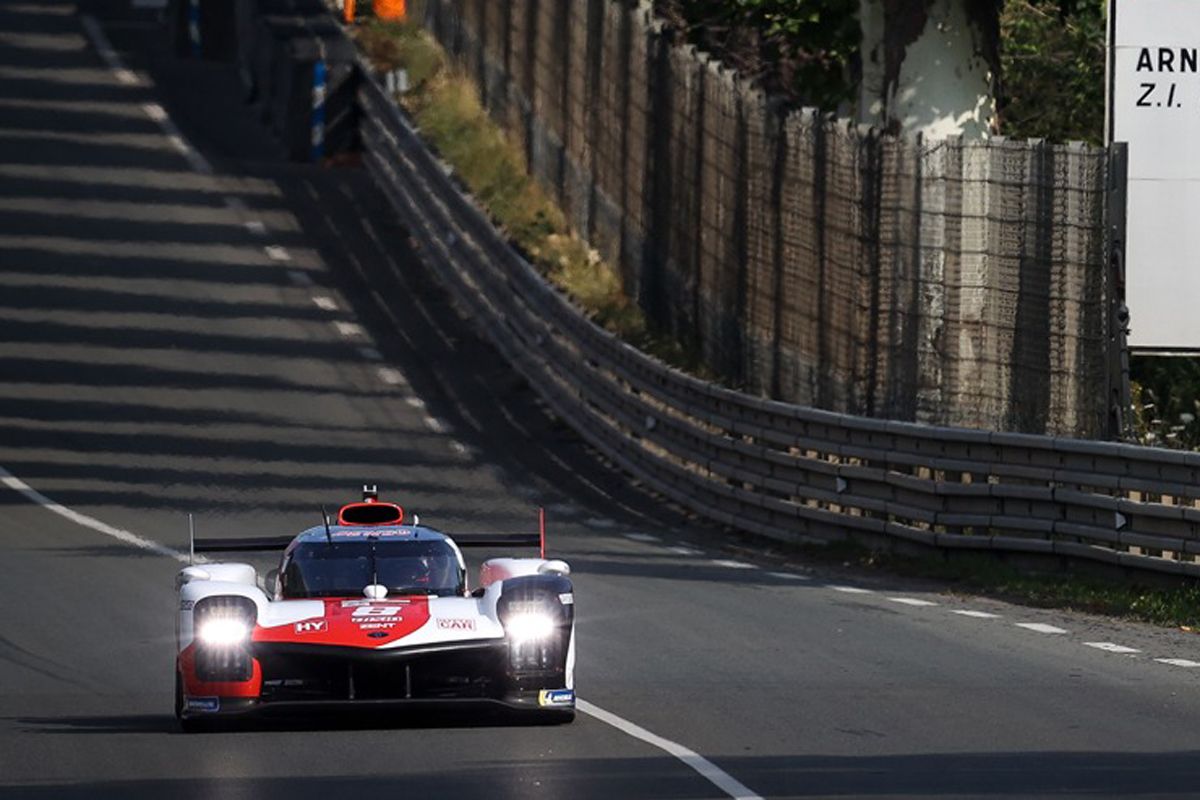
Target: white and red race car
<point>368,612</point>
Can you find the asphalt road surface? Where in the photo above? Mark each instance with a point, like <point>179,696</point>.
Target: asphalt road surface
<point>219,332</point>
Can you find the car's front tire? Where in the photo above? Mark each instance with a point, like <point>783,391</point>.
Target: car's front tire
<point>186,724</point>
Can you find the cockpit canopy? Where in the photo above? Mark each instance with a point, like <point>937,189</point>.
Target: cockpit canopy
<point>343,567</point>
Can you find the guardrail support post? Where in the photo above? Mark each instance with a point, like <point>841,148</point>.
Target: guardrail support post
<point>1119,399</point>
<point>320,74</point>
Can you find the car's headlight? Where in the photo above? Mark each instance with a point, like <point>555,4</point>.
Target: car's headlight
<point>223,631</point>
<point>529,627</point>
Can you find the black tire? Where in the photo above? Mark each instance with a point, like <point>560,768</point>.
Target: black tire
<point>186,724</point>
<point>558,716</point>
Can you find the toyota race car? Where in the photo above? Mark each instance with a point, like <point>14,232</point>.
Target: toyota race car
<point>368,612</point>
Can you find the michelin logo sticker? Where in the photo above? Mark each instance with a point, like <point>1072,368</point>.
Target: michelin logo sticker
<point>209,704</point>
<point>556,697</point>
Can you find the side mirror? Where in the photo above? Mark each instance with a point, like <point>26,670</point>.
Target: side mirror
<point>555,567</point>
<point>271,584</point>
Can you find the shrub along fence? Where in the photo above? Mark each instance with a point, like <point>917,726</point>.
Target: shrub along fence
<point>953,282</point>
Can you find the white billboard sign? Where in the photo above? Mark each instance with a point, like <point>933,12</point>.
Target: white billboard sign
<point>1154,105</point>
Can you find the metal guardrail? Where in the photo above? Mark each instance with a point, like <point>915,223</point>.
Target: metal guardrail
<point>773,469</point>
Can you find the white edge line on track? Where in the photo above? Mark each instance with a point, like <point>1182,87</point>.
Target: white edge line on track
<point>789,576</point>
<point>121,535</point>
<point>701,765</point>
<point>1110,647</point>
<point>105,51</point>
<point>1179,662</point>
<point>154,111</point>
<point>966,612</point>
<point>1040,627</point>
<point>912,601</point>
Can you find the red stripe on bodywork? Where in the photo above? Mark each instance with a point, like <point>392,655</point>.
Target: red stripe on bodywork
<point>353,623</point>
<point>194,687</point>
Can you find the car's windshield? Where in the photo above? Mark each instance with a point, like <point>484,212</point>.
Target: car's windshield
<point>342,569</point>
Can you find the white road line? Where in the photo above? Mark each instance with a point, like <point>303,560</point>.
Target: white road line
<point>300,278</point>
<point>349,329</point>
<point>277,253</point>
<point>701,765</point>
<point>256,227</point>
<point>1039,627</point>
<point>789,576</point>
<point>966,612</point>
<point>912,601</point>
<point>600,522</point>
<point>153,110</point>
<point>370,354</point>
<point>105,51</point>
<point>849,589</point>
<point>436,425</point>
<point>415,402</point>
<point>197,162</point>
<point>721,562</point>
<point>121,535</point>
<point>643,537</point>
<point>236,204</point>
<point>685,551</point>
<point>325,303</point>
<point>459,447</point>
<point>391,377</point>
<point>1109,647</point>
<point>1178,662</point>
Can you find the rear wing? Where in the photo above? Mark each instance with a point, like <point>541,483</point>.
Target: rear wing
<point>267,543</point>
<point>250,545</point>
<point>537,540</point>
<point>497,539</point>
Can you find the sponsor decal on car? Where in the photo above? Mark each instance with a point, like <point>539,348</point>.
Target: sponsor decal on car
<point>403,601</point>
<point>377,612</point>
<point>567,598</point>
<point>312,626</point>
<point>456,624</point>
<point>187,605</point>
<point>556,697</point>
<point>206,704</point>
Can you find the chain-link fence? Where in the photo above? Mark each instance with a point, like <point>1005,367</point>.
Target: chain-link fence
<point>809,260</point>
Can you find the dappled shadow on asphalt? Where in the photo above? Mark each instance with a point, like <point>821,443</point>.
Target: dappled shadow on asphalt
<point>1049,774</point>
<point>149,343</point>
<point>481,716</point>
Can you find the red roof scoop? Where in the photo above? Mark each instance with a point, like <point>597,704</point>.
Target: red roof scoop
<point>370,514</point>
<point>370,511</point>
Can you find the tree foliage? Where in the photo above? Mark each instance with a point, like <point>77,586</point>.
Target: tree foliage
<point>803,50</point>
<point>1052,69</point>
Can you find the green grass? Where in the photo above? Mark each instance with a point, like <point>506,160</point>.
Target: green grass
<point>987,575</point>
<point>447,110</point>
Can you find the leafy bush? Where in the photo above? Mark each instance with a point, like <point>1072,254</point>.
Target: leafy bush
<point>1052,69</point>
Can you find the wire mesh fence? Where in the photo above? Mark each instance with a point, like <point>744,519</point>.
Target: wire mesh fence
<point>807,259</point>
